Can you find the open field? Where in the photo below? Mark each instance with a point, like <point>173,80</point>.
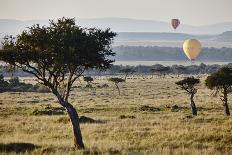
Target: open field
<point>139,121</point>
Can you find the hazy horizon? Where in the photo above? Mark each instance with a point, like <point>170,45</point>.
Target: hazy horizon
<point>196,13</point>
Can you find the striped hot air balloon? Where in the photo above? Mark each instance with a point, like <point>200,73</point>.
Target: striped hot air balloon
<point>175,23</point>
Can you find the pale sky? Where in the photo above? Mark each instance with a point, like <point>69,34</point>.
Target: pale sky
<point>193,12</point>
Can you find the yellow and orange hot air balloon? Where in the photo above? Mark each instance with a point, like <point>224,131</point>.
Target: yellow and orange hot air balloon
<point>192,48</point>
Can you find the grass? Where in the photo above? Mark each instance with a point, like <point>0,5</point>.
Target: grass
<point>140,121</point>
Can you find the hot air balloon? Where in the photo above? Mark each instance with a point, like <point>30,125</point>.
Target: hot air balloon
<point>192,48</point>
<point>175,23</point>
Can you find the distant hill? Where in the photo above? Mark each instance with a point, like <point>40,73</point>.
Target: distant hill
<point>141,32</point>
<point>122,25</point>
<point>160,36</point>
<point>8,26</point>
<point>171,39</point>
<point>136,25</point>
<point>225,37</point>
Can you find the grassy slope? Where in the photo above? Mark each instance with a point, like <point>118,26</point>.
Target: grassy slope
<point>159,132</point>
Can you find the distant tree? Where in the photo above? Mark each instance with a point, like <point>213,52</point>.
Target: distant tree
<point>1,78</point>
<point>127,71</point>
<point>153,71</point>
<point>221,82</point>
<point>88,79</point>
<point>163,70</point>
<point>203,68</point>
<point>229,65</point>
<point>14,81</point>
<point>3,84</point>
<point>116,81</point>
<point>159,70</point>
<point>188,84</point>
<point>179,69</point>
<point>57,55</point>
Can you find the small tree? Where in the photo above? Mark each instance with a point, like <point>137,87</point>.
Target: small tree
<point>3,84</point>
<point>179,69</point>
<point>221,82</point>
<point>14,81</point>
<point>188,84</point>
<point>153,71</point>
<point>127,71</point>
<point>116,81</point>
<point>57,55</point>
<point>160,70</point>
<point>88,79</point>
<point>1,79</point>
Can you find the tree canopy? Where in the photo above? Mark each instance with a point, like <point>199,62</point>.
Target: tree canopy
<point>188,84</point>
<point>220,79</point>
<point>52,52</point>
<point>116,80</point>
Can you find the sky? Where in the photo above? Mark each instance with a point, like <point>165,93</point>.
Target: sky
<point>192,12</point>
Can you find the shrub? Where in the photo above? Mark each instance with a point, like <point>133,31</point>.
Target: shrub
<point>49,111</point>
<point>14,81</point>
<point>41,88</point>
<point>149,108</point>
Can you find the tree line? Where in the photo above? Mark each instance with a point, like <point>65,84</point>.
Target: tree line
<point>157,69</point>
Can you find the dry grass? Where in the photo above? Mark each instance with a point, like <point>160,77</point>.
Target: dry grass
<point>124,126</point>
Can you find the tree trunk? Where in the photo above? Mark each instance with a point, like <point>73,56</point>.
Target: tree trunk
<point>125,77</point>
<point>78,142</point>
<point>225,103</point>
<point>117,89</point>
<point>226,109</point>
<point>193,106</point>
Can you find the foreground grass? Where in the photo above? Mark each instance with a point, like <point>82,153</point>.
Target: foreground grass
<point>140,121</point>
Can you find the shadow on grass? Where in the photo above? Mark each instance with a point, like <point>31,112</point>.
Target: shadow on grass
<point>84,119</point>
<point>17,147</point>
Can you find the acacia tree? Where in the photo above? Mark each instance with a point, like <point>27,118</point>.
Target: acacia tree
<point>188,84</point>
<point>160,70</point>
<point>221,81</point>
<point>116,81</point>
<point>153,71</point>
<point>127,71</point>
<point>179,69</point>
<point>57,55</point>
<point>3,84</point>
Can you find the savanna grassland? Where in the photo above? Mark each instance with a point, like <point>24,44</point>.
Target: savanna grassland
<point>142,120</point>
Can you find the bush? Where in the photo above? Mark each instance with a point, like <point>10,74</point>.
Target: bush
<point>49,111</point>
<point>21,87</point>
<point>3,84</point>
<point>88,86</point>
<point>63,120</point>
<point>127,117</point>
<point>14,81</point>
<point>149,108</point>
<point>41,88</point>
